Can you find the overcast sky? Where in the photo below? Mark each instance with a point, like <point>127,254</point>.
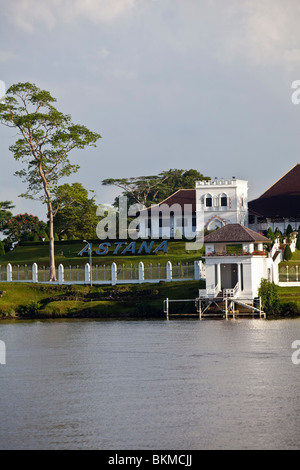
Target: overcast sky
<point>202,84</point>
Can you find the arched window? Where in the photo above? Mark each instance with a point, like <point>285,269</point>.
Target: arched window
<point>215,223</point>
<point>208,200</point>
<point>223,200</point>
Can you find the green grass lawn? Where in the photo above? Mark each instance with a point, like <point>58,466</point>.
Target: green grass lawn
<point>294,261</point>
<point>289,294</point>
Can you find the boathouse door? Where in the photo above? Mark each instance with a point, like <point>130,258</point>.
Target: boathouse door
<point>229,276</point>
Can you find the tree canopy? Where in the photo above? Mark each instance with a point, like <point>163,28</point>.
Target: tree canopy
<point>5,212</point>
<point>76,212</point>
<point>147,190</point>
<point>24,227</point>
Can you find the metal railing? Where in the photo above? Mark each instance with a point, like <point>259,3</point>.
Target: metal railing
<point>231,293</point>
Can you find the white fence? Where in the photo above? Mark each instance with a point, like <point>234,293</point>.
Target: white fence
<point>289,276</point>
<point>105,274</point>
<point>289,273</point>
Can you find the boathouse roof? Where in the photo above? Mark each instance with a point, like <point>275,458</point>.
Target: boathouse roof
<point>235,233</point>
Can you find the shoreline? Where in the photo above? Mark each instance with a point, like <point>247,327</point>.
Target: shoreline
<point>29,301</point>
<point>34,301</point>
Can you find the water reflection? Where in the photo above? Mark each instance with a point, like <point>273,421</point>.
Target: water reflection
<point>150,385</point>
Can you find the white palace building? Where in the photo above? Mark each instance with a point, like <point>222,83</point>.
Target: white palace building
<point>217,202</point>
<point>236,258</point>
<point>212,204</point>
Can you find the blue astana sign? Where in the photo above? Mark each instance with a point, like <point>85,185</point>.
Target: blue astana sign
<point>124,248</point>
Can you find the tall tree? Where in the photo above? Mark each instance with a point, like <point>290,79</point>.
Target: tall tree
<point>46,137</point>
<point>147,190</point>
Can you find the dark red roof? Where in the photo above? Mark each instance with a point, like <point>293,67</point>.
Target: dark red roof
<point>181,197</point>
<point>287,184</point>
<point>277,206</point>
<point>282,199</point>
<point>234,233</point>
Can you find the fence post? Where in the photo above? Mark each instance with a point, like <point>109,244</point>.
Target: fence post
<point>141,272</point>
<point>35,270</point>
<point>87,273</point>
<point>9,272</point>
<point>61,274</point>
<point>114,276</point>
<point>169,271</point>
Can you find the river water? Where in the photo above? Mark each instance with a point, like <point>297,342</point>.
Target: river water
<point>169,385</point>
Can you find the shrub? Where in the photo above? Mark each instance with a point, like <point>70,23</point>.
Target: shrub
<point>270,234</point>
<point>287,253</point>
<point>289,309</point>
<point>30,309</point>
<point>289,230</point>
<point>268,291</point>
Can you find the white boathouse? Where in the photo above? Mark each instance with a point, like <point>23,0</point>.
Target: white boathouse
<point>236,260</point>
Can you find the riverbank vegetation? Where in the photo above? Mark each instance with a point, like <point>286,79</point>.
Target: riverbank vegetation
<point>22,300</point>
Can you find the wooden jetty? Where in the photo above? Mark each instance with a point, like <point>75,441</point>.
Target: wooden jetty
<point>224,304</point>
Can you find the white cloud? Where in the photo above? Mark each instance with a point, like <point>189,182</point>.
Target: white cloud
<point>259,31</point>
<point>29,14</point>
<point>262,31</point>
<point>7,56</point>
<point>103,52</point>
<point>99,11</point>
<point>271,27</point>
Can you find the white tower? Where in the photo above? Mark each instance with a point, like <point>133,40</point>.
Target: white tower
<point>222,201</point>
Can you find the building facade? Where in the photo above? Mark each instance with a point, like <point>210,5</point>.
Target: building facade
<point>175,217</point>
<point>218,202</point>
<point>212,204</point>
<point>236,260</point>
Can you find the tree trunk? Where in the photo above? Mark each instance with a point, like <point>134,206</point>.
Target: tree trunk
<point>51,229</point>
<point>51,244</point>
